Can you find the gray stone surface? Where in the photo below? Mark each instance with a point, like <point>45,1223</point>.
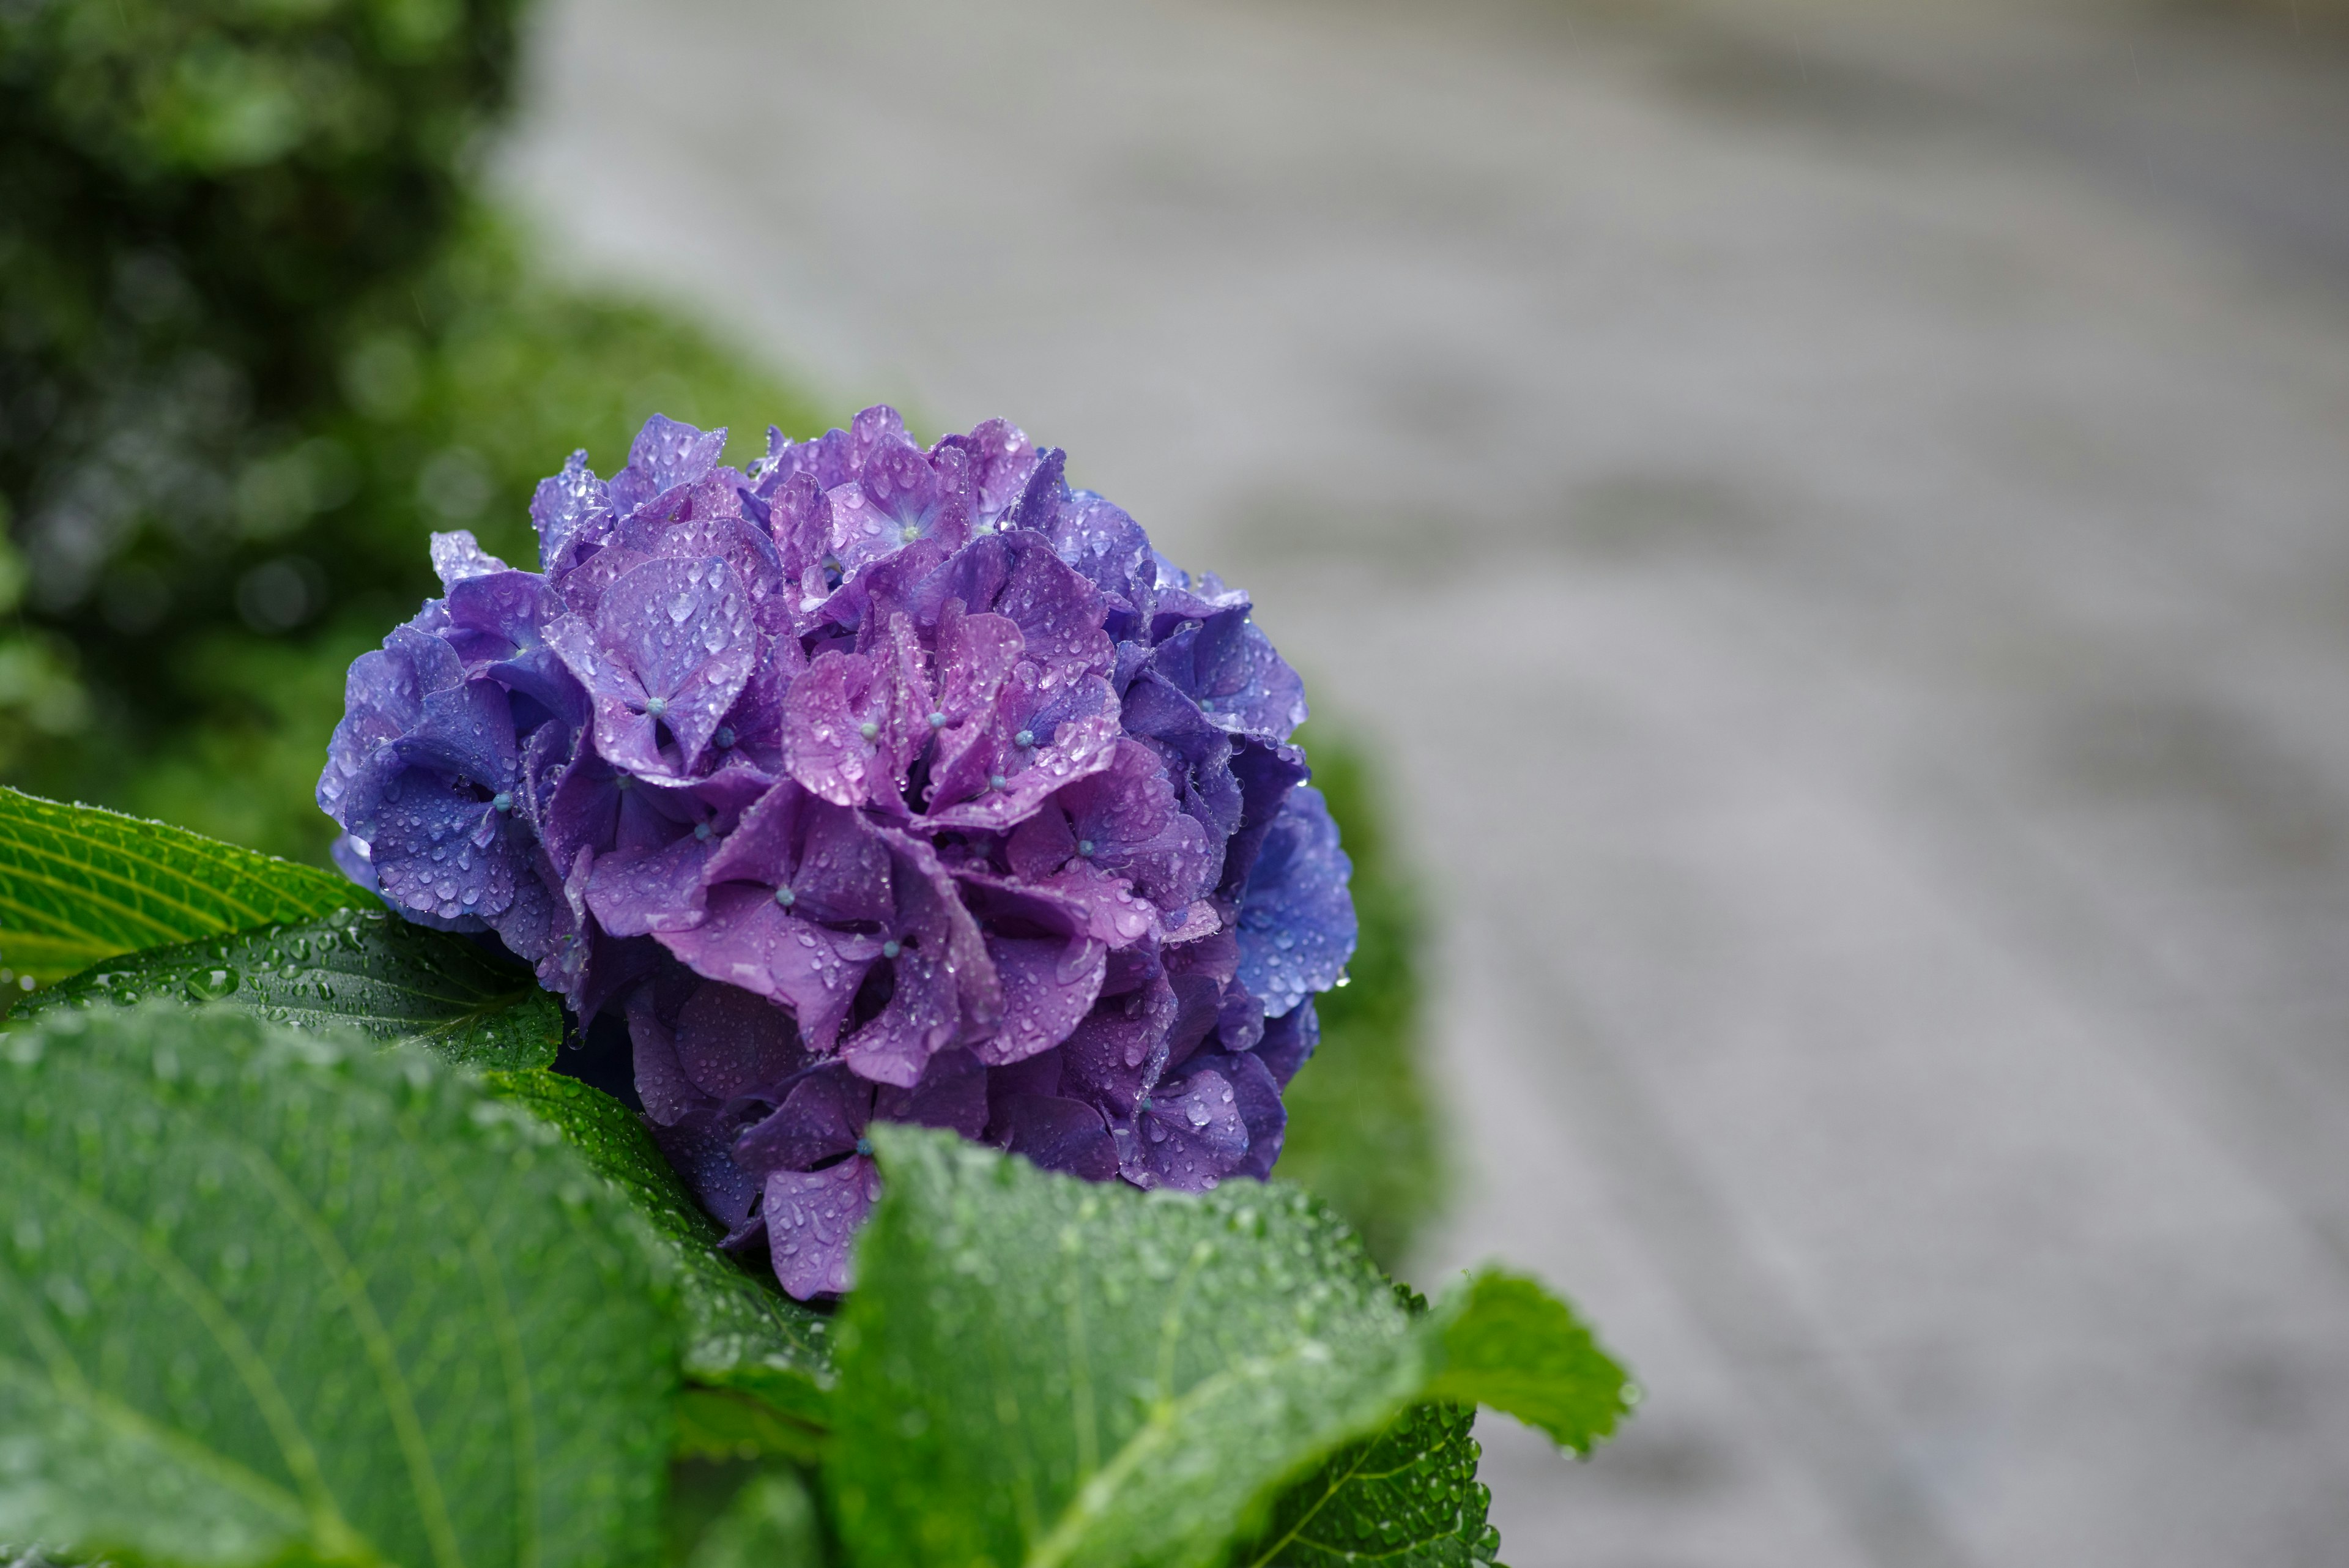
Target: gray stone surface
<point>1839,523</point>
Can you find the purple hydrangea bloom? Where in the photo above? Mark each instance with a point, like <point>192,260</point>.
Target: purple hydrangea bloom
<point>878,782</point>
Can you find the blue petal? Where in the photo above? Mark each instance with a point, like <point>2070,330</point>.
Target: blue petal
<point>1297,919</point>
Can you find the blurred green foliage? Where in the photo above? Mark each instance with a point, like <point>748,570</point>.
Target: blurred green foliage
<point>1362,1132</point>
<point>256,340</point>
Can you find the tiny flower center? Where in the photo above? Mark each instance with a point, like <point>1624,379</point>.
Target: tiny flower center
<point>725,736</point>
<point>996,781</point>
<point>892,948</point>
<point>623,782</point>
<point>864,1146</point>
<point>938,720</point>
<point>868,729</point>
<point>1084,846</point>
<point>786,898</point>
<point>503,801</point>
<point>656,706</point>
<point>1024,738</point>
<point>701,831</point>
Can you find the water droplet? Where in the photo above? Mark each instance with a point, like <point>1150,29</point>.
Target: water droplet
<point>211,984</point>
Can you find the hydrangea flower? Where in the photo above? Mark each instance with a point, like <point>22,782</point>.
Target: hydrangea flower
<point>875,783</point>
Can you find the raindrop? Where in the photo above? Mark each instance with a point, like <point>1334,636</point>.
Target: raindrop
<point>211,984</point>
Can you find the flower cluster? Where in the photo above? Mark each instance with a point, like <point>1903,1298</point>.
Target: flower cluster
<point>878,781</point>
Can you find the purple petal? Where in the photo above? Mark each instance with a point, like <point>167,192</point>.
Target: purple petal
<point>730,1042</point>
<point>673,647</point>
<point>700,1156</point>
<point>668,1094</point>
<point>1257,1094</point>
<point>1074,733</point>
<point>635,892</point>
<point>457,555</point>
<point>943,984</point>
<point>811,1222</point>
<point>1050,963</point>
<point>746,940</point>
<point>1002,459</point>
<point>1117,1051</point>
<point>1188,1137</point>
<point>665,454</point>
<point>952,1094</point>
<point>571,511</point>
<point>1229,667</point>
<point>1288,1042</point>
<point>1060,1134</point>
<point>820,1119</point>
<point>825,716</point>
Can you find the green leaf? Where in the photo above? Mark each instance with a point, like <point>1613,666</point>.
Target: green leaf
<point>1408,1497</point>
<point>743,1334</point>
<point>770,1523</point>
<point>363,969</point>
<point>724,1424</point>
<point>270,1295</point>
<point>1509,1343</point>
<point>79,884</point>
<point>1038,1370</point>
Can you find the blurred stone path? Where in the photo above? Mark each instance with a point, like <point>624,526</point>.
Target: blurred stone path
<point>1843,535</point>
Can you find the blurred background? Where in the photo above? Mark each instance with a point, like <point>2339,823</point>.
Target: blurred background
<point>1819,533</point>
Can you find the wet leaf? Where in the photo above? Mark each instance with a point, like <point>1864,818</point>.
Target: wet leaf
<point>79,884</point>
<point>743,1334</point>
<point>1511,1345</point>
<point>361,969</point>
<point>1036,1370</point>
<point>1408,1497</point>
<point>276,1296</point>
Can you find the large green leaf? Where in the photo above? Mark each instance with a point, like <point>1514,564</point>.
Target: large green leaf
<point>272,1295</point>
<point>743,1334</point>
<point>770,1523</point>
<point>1040,1370</point>
<point>1408,1497</point>
<point>362,969</point>
<point>79,884</point>
<point>1036,1370</point>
